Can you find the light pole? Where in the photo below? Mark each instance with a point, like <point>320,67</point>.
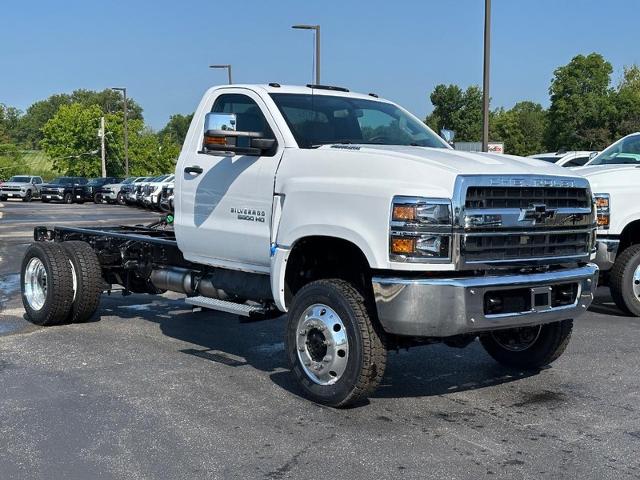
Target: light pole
<point>228,67</point>
<point>317,39</point>
<point>126,130</point>
<point>485,76</point>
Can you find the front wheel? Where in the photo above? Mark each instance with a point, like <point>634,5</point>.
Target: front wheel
<point>335,349</point>
<point>28,196</point>
<point>528,347</point>
<point>68,198</point>
<point>120,199</point>
<point>624,281</point>
<point>3,198</point>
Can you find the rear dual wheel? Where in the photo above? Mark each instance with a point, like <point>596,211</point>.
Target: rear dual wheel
<point>60,282</point>
<point>624,281</point>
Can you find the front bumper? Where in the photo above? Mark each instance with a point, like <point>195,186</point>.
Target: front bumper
<point>13,193</point>
<point>441,307</point>
<point>606,251</point>
<point>52,196</point>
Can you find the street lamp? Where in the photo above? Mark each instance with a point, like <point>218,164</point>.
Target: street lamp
<point>126,129</point>
<point>228,67</point>
<point>485,76</point>
<point>317,41</point>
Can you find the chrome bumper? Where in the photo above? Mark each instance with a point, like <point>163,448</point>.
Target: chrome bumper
<point>606,251</point>
<point>439,307</point>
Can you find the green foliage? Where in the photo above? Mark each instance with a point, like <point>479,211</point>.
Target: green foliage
<point>627,103</point>
<point>176,128</point>
<point>9,124</point>
<point>9,160</point>
<point>457,110</point>
<point>582,104</point>
<point>522,128</point>
<point>38,114</point>
<point>71,139</point>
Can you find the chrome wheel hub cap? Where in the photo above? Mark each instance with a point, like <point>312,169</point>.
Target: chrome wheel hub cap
<point>517,339</point>
<point>636,282</point>
<point>35,283</point>
<point>322,344</point>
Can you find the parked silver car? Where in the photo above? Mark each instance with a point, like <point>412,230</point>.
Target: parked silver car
<point>25,187</point>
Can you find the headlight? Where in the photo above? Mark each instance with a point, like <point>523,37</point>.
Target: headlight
<point>603,210</point>
<point>421,229</point>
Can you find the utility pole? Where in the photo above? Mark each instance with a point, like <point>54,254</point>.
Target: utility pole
<point>316,28</point>
<point>228,67</point>
<point>103,152</point>
<point>485,76</point>
<point>126,129</point>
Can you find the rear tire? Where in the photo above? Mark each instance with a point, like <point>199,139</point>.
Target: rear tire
<point>546,343</point>
<point>46,283</point>
<point>89,282</point>
<point>313,348</point>
<point>622,281</point>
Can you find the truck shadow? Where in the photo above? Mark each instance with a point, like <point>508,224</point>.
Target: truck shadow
<point>223,339</point>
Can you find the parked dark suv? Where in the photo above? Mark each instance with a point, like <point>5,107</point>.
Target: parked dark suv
<point>90,192</point>
<point>65,189</point>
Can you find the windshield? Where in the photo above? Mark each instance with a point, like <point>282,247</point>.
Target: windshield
<point>324,119</point>
<point>159,178</point>
<point>96,181</point>
<point>547,159</point>
<point>625,151</point>
<point>129,180</point>
<point>62,181</point>
<point>20,179</point>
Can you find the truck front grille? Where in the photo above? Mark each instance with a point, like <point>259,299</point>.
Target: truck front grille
<point>524,220</point>
<point>525,246</point>
<point>516,197</point>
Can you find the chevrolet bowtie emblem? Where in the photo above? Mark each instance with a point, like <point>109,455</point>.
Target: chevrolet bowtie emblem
<point>537,212</point>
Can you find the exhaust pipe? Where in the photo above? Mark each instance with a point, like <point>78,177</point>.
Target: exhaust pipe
<point>174,279</point>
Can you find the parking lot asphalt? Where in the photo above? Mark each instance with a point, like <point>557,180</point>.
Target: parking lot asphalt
<point>152,389</point>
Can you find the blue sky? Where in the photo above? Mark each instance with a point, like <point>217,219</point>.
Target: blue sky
<point>160,49</point>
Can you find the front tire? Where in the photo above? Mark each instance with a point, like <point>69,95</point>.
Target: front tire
<point>3,198</point>
<point>46,283</point>
<point>624,281</point>
<point>528,347</point>
<point>28,196</point>
<point>68,198</point>
<point>120,199</point>
<point>335,349</point>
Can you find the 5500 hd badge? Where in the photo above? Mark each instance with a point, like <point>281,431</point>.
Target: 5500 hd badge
<point>249,214</point>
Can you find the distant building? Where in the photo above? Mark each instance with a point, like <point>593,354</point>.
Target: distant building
<point>494,147</point>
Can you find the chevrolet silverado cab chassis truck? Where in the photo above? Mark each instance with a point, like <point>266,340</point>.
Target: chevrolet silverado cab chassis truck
<point>349,214</point>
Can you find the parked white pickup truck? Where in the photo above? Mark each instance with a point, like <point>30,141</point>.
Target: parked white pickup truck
<point>349,214</point>
<point>615,178</point>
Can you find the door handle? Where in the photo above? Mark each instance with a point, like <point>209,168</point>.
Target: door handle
<point>194,170</point>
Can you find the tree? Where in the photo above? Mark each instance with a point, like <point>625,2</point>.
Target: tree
<point>457,110</point>
<point>627,102</point>
<point>10,161</point>
<point>522,128</point>
<point>582,104</point>
<point>176,128</point>
<point>38,114</point>
<point>9,122</point>
<point>71,139</point>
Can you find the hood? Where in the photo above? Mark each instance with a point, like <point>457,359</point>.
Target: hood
<point>15,184</point>
<point>459,162</point>
<point>604,178</point>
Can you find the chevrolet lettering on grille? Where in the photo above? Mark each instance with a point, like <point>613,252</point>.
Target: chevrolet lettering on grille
<point>531,182</point>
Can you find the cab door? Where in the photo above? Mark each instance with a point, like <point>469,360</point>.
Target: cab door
<point>224,200</point>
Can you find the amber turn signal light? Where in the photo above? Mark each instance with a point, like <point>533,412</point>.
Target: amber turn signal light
<point>403,246</point>
<point>404,213</point>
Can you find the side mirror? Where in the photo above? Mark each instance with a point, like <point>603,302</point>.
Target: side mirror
<point>447,135</point>
<point>593,155</point>
<point>220,135</point>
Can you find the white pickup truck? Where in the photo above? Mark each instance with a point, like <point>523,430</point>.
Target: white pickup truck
<point>615,178</point>
<point>349,214</point>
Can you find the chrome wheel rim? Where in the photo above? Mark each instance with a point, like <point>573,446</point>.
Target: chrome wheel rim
<point>35,283</point>
<point>517,339</point>
<point>636,282</point>
<point>322,344</point>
